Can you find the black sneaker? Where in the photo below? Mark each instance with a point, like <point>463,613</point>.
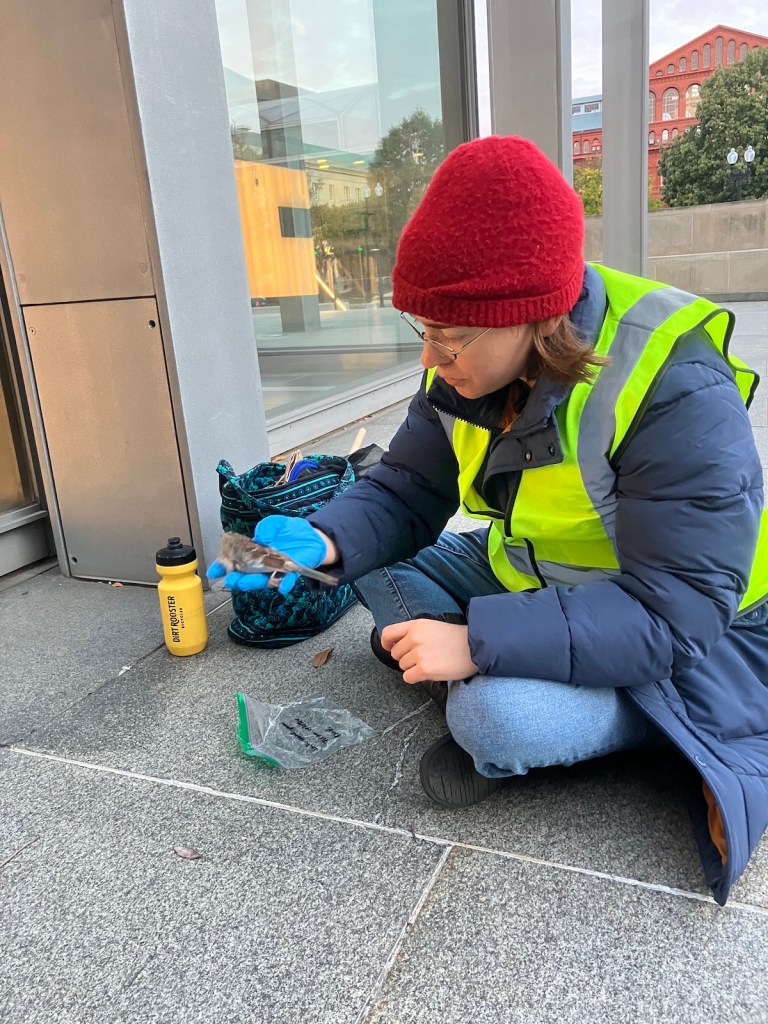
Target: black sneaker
<point>384,656</point>
<point>438,691</point>
<point>449,777</point>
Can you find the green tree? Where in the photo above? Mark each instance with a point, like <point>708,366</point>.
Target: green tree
<point>588,182</point>
<point>733,113</point>
<point>403,165</point>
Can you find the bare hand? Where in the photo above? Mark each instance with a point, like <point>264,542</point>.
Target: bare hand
<point>427,650</point>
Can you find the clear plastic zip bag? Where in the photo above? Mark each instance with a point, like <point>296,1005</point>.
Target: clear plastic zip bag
<point>297,735</point>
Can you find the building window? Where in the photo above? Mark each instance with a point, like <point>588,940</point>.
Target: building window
<point>585,146</point>
<point>675,133</point>
<point>695,60</point>
<point>718,51</point>
<point>332,193</point>
<point>670,69</point>
<point>707,55</point>
<point>692,98</point>
<point>651,106</point>
<point>576,149</point>
<point>743,51</point>
<point>358,195</point>
<point>651,138</point>
<point>595,145</point>
<point>347,194</point>
<point>683,64</point>
<point>295,222</point>
<point>576,108</point>
<point>589,107</point>
<point>731,51</point>
<point>659,73</point>
<point>665,136</point>
<point>670,103</point>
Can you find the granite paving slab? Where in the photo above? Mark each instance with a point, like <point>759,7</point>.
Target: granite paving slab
<point>176,718</point>
<point>62,638</point>
<point>282,919</point>
<point>503,942</point>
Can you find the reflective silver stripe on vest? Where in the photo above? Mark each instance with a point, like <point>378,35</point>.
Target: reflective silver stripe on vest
<point>597,426</point>
<point>448,424</point>
<point>555,573</point>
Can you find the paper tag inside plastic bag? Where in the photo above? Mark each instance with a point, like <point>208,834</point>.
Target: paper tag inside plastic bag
<point>299,734</point>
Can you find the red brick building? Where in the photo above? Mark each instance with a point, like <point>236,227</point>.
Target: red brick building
<point>674,86</point>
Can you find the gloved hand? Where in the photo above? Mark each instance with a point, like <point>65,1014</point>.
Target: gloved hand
<point>291,536</point>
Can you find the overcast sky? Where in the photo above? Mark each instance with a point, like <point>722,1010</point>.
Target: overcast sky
<point>673,22</point>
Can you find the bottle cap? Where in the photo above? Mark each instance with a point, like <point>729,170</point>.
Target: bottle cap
<point>175,553</point>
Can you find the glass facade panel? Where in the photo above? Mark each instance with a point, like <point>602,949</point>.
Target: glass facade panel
<point>17,489</point>
<point>337,127</point>
<point>586,94</point>
<point>722,254</point>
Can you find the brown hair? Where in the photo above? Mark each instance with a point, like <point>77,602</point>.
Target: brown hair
<point>564,356</point>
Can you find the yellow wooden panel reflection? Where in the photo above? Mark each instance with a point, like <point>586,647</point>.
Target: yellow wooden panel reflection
<point>276,265</point>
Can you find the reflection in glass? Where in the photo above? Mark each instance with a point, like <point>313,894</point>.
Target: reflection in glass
<point>692,98</point>
<point>336,128</point>
<point>16,486</point>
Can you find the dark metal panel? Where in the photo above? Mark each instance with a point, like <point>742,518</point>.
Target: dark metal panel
<point>68,186</point>
<point>106,411</point>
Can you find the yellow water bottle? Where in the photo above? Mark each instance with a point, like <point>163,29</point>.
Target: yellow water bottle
<point>181,599</point>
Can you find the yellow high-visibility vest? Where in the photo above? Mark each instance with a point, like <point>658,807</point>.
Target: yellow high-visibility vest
<point>560,526</point>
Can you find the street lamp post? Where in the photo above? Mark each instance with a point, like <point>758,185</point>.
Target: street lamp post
<point>378,276</point>
<point>737,175</point>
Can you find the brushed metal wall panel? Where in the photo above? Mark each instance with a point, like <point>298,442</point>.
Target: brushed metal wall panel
<point>106,410</point>
<point>68,181</point>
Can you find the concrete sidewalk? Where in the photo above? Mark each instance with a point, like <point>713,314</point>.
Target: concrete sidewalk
<point>336,894</point>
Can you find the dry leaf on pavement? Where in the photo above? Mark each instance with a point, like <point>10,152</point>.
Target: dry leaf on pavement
<point>186,852</point>
<point>321,657</point>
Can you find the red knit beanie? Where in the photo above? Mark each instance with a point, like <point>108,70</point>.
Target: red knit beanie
<point>495,241</point>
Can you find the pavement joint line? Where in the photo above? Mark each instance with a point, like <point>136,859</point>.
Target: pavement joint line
<point>393,830</point>
<point>394,953</point>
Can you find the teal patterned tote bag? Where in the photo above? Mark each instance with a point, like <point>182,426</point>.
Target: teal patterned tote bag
<point>266,618</point>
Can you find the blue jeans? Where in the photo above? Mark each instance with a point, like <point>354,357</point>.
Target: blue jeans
<point>507,725</point>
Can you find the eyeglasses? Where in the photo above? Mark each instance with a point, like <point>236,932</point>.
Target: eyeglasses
<point>441,346</point>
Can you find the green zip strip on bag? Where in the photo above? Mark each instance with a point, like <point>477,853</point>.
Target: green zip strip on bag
<point>296,735</point>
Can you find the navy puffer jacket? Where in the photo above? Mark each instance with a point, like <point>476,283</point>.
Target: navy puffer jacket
<point>690,494</point>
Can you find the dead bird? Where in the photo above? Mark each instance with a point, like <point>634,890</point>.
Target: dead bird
<point>240,554</point>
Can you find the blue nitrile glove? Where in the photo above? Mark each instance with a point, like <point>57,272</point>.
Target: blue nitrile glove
<point>291,536</point>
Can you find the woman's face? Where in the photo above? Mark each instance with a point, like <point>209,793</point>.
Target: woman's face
<point>492,359</point>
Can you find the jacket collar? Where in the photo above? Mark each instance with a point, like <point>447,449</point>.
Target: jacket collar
<point>587,317</point>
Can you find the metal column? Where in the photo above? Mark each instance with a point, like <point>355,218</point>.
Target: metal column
<point>529,44</point>
<point>625,135</point>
